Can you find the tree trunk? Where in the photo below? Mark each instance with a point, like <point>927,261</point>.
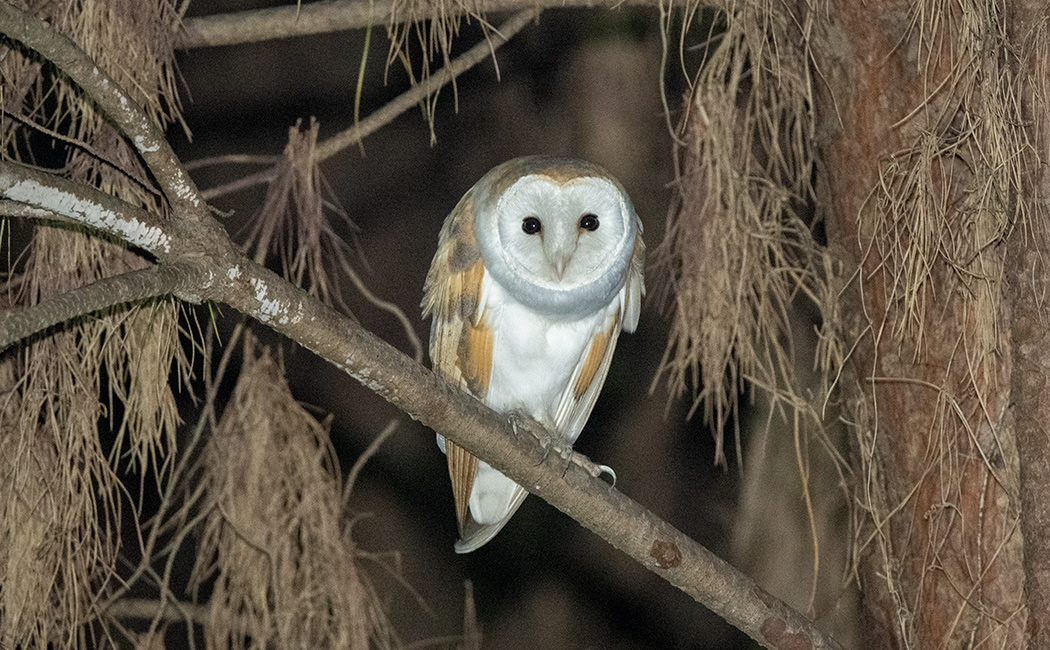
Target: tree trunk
<point>918,145</point>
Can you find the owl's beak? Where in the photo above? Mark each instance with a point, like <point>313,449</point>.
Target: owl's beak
<point>559,264</point>
<point>559,247</point>
<point>559,261</point>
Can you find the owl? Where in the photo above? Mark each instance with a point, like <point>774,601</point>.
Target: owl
<point>538,269</point>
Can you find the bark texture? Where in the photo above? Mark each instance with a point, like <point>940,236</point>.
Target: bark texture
<point>912,111</point>
<point>1029,279</point>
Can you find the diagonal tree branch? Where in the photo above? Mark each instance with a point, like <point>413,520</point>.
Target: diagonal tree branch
<point>226,275</point>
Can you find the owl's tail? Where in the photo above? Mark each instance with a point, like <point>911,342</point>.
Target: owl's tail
<point>473,535</point>
<point>462,468</point>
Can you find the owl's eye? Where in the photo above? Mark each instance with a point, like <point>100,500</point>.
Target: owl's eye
<point>589,222</point>
<point>531,225</point>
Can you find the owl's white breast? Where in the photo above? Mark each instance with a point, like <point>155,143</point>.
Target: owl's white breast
<point>534,356</point>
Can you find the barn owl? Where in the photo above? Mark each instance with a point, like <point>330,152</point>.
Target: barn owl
<point>538,269</point>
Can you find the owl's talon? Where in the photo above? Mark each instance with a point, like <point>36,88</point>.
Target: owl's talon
<point>545,439</point>
<point>551,444</point>
<point>591,467</point>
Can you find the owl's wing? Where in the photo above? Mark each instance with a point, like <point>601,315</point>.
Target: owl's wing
<point>587,380</point>
<point>581,391</point>
<point>460,339</point>
<point>573,409</point>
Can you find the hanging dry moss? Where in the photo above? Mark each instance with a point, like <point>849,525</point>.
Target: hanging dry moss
<point>60,508</point>
<point>432,35</point>
<point>297,224</point>
<point>293,222</point>
<point>943,202</point>
<point>737,251</point>
<point>276,544</point>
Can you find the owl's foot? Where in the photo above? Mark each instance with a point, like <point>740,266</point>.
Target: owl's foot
<point>520,418</point>
<point>591,467</point>
<point>564,450</point>
<point>537,431</point>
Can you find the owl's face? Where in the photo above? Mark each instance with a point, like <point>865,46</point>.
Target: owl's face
<point>559,232</point>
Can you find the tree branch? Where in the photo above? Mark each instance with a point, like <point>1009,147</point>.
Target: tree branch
<point>147,138</point>
<point>228,276</point>
<point>130,287</point>
<point>338,15</point>
<point>47,195</point>
<point>30,192</point>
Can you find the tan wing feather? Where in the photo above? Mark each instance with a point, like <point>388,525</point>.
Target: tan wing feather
<point>462,469</point>
<point>582,391</point>
<point>592,362</point>
<point>460,339</point>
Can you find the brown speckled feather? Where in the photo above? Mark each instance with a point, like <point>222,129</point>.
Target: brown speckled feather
<point>460,340</point>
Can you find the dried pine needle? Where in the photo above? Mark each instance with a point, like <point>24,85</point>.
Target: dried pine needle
<point>276,541</point>
<point>736,252</point>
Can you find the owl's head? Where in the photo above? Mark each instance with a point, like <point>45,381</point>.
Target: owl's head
<point>559,232</point>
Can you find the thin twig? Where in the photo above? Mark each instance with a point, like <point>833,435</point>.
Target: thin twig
<point>366,455</point>
<point>251,180</point>
<point>147,609</point>
<point>80,144</point>
<point>232,159</point>
<point>417,93</point>
<point>389,112</point>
